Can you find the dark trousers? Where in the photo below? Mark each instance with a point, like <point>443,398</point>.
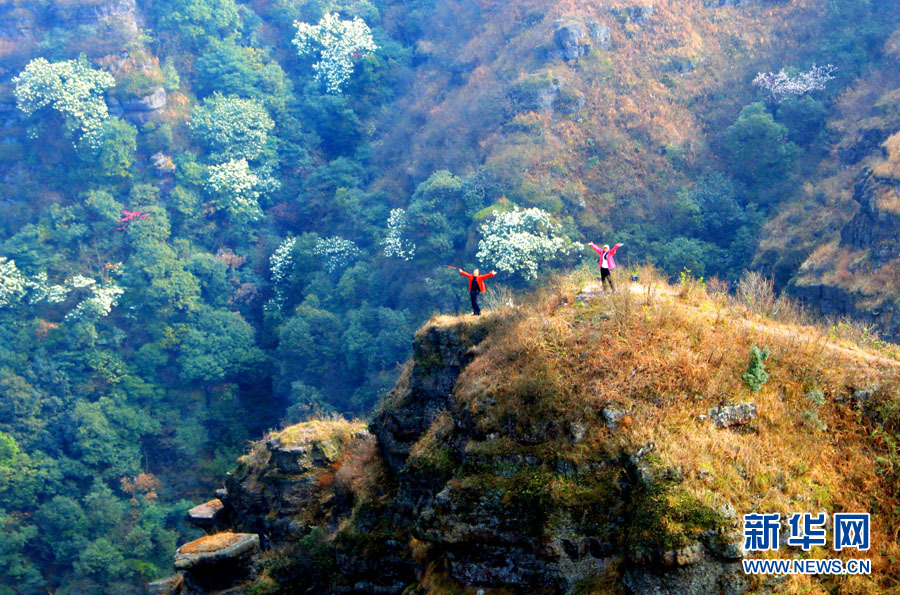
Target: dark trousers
<point>605,276</point>
<point>473,295</point>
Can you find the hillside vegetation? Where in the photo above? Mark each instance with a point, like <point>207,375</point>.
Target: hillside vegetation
<point>220,217</point>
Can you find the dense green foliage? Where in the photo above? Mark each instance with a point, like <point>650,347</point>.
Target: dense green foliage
<point>269,274</point>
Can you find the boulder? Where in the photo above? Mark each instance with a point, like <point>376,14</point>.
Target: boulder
<point>613,415</point>
<point>162,164</point>
<point>733,415</point>
<point>148,103</point>
<point>218,561</point>
<point>207,515</point>
<point>171,585</point>
<point>273,484</point>
<point>570,38</point>
<point>599,33</point>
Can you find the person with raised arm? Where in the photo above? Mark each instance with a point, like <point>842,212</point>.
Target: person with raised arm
<point>607,263</point>
<point>476,286</point>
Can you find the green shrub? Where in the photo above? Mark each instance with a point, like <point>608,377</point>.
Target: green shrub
<point>756,374</point>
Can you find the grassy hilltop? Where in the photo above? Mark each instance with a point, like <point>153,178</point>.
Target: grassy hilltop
<point>576,453</point>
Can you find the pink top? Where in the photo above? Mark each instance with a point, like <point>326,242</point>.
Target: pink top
<point>605,253</point>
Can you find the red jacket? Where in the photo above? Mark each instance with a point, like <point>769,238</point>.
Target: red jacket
<point>479,278</point>
<point>609,255</point>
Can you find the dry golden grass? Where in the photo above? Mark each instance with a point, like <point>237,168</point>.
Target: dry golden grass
<point>890,167</point>
<point>667,362</point>
<point>888,201</point>
<point>210,543</point>
<point>318,430</point>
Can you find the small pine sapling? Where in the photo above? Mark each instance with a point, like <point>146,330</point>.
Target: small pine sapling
<point>756,374</point>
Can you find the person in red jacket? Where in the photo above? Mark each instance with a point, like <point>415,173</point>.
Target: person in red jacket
<point>607,263</point>
<point>476,286</point>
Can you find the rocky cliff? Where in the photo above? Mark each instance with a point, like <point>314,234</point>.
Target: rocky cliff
<point>513,454</point>
<point>858,275</point>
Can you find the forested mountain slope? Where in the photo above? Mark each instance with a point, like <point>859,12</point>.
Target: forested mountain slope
<point>217,217</point>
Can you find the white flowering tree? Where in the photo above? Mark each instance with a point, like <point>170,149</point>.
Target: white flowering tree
<point>336,253</point>
<point>336,44</point>
<point>782,85</point>
<point>40,290</point>
<point>72,88</point>
<point>396,245</point>
<point>519,241</point>
<point>12,282</point>
<point>17,288</point>
<point>231,127</point>
<point>235,189</point>
<point>280,264</point>
<point>98,305</point>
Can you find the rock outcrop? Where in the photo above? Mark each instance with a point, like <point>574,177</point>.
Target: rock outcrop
<point>208,515</point>
<point>343,509</point>
<point>274,483</point>
<point>732,416</point>
<point>872,234</point>
<point>573,39</point>
<point>217,561</point>
<point>121,16</point>
<point>570,38</point>
<point>874,228</point>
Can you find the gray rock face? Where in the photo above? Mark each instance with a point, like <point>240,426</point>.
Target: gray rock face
<point>599,33</point>
<point>263,495</point>
<point>439,356</point>
<point>872,229</point>
<point>570,38</point>
<point>733,415</point>
<point>869,230</point>
<point>834,301</point>
<point>633,14</point>
<point>149,103</point>
<point>119,15</point>
<point>702,575</point>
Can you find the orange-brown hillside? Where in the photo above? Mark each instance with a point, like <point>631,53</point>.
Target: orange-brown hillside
<point>665,79</point>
